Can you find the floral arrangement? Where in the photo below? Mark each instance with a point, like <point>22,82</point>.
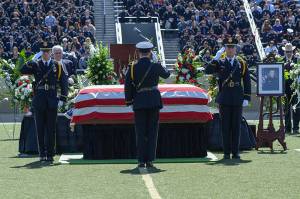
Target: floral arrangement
<point>9,72</point>
<point>294,74</point>
<point>100,68</point>
<point>23,91</point>
<point>19,87</point>
<point>76,83</point>
<point>188,68</point>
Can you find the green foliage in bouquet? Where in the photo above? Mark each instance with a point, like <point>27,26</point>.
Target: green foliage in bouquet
<point>19,87</point>
<point>100,69</point>
<point>294,74</point>
<point>188,68</point>
<point>76,83</point>
<point>23,91</point>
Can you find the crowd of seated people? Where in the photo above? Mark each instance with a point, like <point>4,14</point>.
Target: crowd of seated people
<point>26,24</point>
<point>203,24</point>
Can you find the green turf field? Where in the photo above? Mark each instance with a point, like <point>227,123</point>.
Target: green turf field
<point>258,175</point>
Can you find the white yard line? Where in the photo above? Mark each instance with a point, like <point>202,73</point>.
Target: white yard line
<point>64,159</point>
<point>149,184</point>
<point>297,150</point>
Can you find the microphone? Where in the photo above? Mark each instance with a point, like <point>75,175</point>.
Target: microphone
<point>137,30</point>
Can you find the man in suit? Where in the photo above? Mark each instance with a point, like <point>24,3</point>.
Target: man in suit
<point>142,93</point>
<point>48,76</point>
<point>289,61</point>
<point>234,93</point>
<point>66,64</point>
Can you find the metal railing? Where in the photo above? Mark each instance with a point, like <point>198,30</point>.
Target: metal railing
<point>137,19</point>
<point>104,16</point>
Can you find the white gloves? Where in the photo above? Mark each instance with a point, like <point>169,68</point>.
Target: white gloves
<point>60,104</point>
<point>154,58</point>
<point>219,53</point>
<point>245,103</point>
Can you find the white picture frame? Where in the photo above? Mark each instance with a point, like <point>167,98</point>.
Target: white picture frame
<point>270,79</point>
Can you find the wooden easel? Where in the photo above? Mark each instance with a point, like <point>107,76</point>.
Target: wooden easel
<point>266,137</point>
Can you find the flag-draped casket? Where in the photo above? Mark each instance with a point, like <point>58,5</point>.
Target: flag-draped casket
<point>106,104</point>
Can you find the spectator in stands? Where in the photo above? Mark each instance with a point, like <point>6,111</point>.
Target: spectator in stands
<point>3,54</point>
<point>269,7</point>
<point>15,55</point>
<point>83,60</point>
<point>90,27</point>
<point>50,20</point>
<point>265,30</point>
<point>90,45</point>
<point>170,20</point>
<point>29,23</point>
<point>271,48</point>
<point>278,29</point>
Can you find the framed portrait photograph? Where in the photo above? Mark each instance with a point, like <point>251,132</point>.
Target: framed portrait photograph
<point>270,79</point>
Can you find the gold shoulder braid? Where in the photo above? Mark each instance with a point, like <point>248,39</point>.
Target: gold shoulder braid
<point>243,63</point>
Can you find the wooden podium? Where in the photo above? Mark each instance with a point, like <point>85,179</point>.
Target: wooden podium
<point>122,54</point>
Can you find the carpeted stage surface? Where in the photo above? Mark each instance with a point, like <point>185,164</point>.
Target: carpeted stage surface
<point>260,174</point>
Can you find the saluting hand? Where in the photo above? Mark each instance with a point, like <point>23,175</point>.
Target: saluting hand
<point>219,53</point>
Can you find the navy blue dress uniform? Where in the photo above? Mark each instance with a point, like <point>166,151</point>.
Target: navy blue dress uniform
<point>142,93</point>
<point>234,88</point>
<point>48,76</point>
<point>290,114</point>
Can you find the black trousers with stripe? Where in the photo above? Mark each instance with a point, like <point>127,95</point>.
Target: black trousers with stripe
<point>45,122</point>
<point>146,129</point>
<point>231,118</point>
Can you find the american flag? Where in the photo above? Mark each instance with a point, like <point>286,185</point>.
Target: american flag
<point>106,104</point>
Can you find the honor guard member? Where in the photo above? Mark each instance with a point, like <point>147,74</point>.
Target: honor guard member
<point>289,61</point>
<point>142,93</point>
<point>48,76</point>
<point>234,92</point>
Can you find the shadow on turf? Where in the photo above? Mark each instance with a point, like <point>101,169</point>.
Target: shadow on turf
<point>8,140</point>
<point>229,162</point>
<point>22,155</point>
<point>279,152</point>
<point>36,165</point>
<point>136,171</point>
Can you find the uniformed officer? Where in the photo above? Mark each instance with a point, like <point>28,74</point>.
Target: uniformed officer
<point>142,93</point>
<point>234,93</point>
<point>289,61</point>
<point>48,76</point>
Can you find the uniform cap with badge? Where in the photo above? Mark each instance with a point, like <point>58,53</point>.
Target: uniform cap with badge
<point>46,46</point>
<point>144,46</point>
<point>230,42</point>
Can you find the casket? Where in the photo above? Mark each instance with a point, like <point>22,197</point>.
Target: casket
<point>105,104</point>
